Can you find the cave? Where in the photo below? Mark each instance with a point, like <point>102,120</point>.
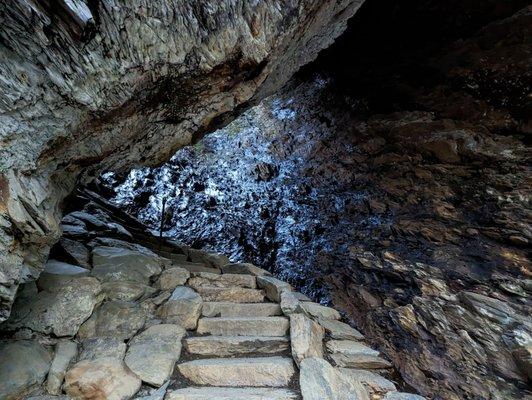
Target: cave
<point>265,200</point>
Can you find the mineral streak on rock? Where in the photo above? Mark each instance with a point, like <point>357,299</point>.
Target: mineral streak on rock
<point>114,83</point>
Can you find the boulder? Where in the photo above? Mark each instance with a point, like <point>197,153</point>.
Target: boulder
<point>272,287</point>
<point>108,347</point>
<point>65,352</point>
<point>103,378</point>
<point>289,303</point>
<point>60,312</point>
<point>182,308</point>
<point>306,338</point>
<point>23,366</point>
<point>319,380</point>
<point>57,273</point>
<point>319,311</point>
<point>172,277</point>
<point>115,263</point>
<point>244,268</point>
<point>126,291</point>
<point>118,319</point>
<point>153,353</point>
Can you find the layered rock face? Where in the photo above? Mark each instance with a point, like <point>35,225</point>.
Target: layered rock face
<point>111,84</point>
<point>396,187</point>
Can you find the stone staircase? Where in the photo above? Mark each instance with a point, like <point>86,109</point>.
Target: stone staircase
<point>126,315</point>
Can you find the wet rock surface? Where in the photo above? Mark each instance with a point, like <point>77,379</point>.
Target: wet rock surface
<point>395,188</point>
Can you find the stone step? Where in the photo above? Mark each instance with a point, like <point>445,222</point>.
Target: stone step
<point>225,393</point>
<point>257,372</point>
<point>228,309</point>
<point>195,267</point>
<point>232,294</point>
<point>244,326</point>
<point>222,346</point>
<point>205,279</point>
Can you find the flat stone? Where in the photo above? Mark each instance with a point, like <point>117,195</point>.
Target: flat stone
<point>173,277</point>
<point>374,382</point>
<point>228,309</point>
<point>402,396</point>
<point>319,311</point>
<point>306,338</point>
<point>289,303</point>
<point>244,326</point>
<point>272,287</point>
<point>23,366</point>
<point>120,264</point>
<point>126,291</point>
<point>225,280</point>
<point>109,347</point>
<point>182,308</point>
<point>221,393</point>
<point>65,352</point>
<point>118,319</point>
<point>301,296</point>
<point>319,380</point>
<point>348,353</point>
<point>60,312</point>
<point>262,371</point>
<point>222,346</point>
<point>75,252</point>
<point>349,347</point>
<point>244,268</point>
<point>232,294</point>
<point>103,378</point>
<point>57,273</point>
<point>213,260</point>
<point>153,353</point>
<point>196,267</point>
<point>340,330</point>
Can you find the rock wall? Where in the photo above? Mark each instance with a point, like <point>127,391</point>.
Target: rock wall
<point>110,84</point>
<point>396,187</point>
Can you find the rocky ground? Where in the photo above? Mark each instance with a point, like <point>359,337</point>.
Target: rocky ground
<point>120,314</point>
<point>396,187</point>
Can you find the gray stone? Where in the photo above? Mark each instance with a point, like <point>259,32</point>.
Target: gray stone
<point>60,312</point>
<point>182,308</point>
<point>289,303</point>
<point>196,267</point>
<point>348,353</point>
<point>301,296</point>
<point>402,396</point>
<point>57,273</point>
<point>153,353</point>
<point>340,330</point>
<point>23,366</point>
<point>115,263</point>
<point>272,287</point>
<point>65,352</point>
<point>119,319</point>
<point>76,252</point>
<point>228,309</point>
<point>244,268</point>
<point>260,371</point>
<point>232,294</point>
<point>244,326</point>
<point>172,277</point>
<point>222,346</point>
<point>306,338</point>
<point>216,280</point>
<point>374,382</point>
<point>221,393</point>
<point>319,311</point>
<point>319,380</point>
<point>155,394</point>
<point>213,260</point>
<point>108,347</point>
<point>103,378</point>
<point>126,291</point>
